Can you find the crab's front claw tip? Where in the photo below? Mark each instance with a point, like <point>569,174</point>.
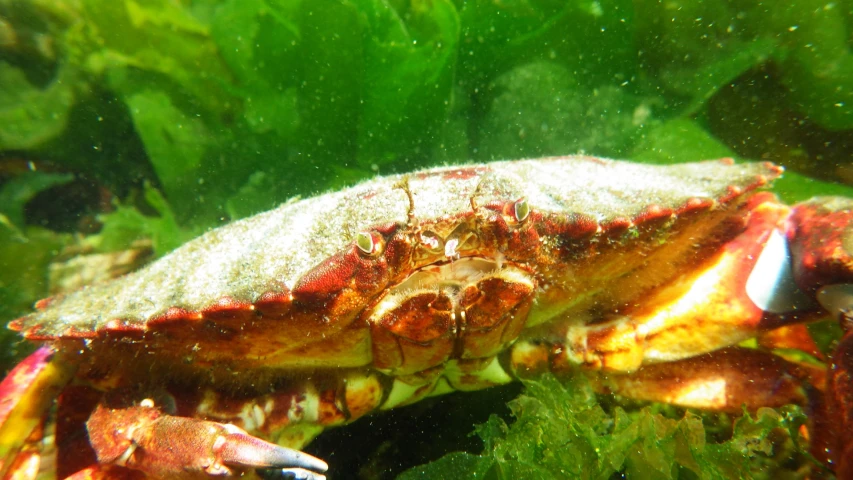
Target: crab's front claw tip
<point>241,449</point>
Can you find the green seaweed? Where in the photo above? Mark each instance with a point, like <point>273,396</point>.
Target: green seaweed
<point>210,96</point>
<point>127,224</point>
<point>26,252</point>
<point>562,431</point>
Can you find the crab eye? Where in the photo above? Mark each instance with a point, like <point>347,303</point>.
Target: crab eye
<point>369,243</point>
<point>521,210</point>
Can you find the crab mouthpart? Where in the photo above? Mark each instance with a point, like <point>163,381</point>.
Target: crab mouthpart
<point>467,308</point>
<point>450,279</point>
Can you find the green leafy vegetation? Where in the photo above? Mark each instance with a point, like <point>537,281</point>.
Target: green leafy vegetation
<point>232,107</point>
<point>562,431</point>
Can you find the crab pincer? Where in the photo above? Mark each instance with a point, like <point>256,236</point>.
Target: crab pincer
<point>167,446</point>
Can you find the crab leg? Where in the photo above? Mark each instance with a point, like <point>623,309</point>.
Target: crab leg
<point>838,444</point>
<point>167,446</point>
<point>725,380</point>
<point>821,236</point>
<point>840,410</point>
<point>734,297</point>
<point>26,394</point>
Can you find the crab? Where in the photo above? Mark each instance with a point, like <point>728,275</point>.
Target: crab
<point>230,354</point>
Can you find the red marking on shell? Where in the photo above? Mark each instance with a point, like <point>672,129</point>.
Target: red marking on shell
<point>776,170</point>
<point>227,304</point>
<point>337,289</point>
<point>115,324</point>
<point>574,226</point>
<point>733,192</point>
<point>16,325</point>
<point>228,308</point>
<point>653,215</point>
<point>74,332</point>
<point>32,333</point>
<point>463,173</point>
<point>519,239</point>
<point>694,205</point>
<point>274,303</point>
<point>523,241</point>
<point>759,198</point>
<point>617,225</point>
<point>124,326</point>
<point>727,161</point>
<point>325,280</point>
<point>44,303</point>
<point>346,274</point>
<point>174,314</point>
<point>497,206</point>
<point>386,229</point>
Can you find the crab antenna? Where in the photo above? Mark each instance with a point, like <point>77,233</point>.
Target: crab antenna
<point>473,197</point>
<point>403,184</point>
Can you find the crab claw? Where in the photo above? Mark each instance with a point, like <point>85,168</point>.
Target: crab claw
<point>26,394</point>
<point>167,446</point>
<point>240,448</point>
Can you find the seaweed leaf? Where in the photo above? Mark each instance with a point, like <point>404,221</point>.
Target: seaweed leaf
<point>561,431</point>
<point>127,224</point>
<point>30,116</point>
